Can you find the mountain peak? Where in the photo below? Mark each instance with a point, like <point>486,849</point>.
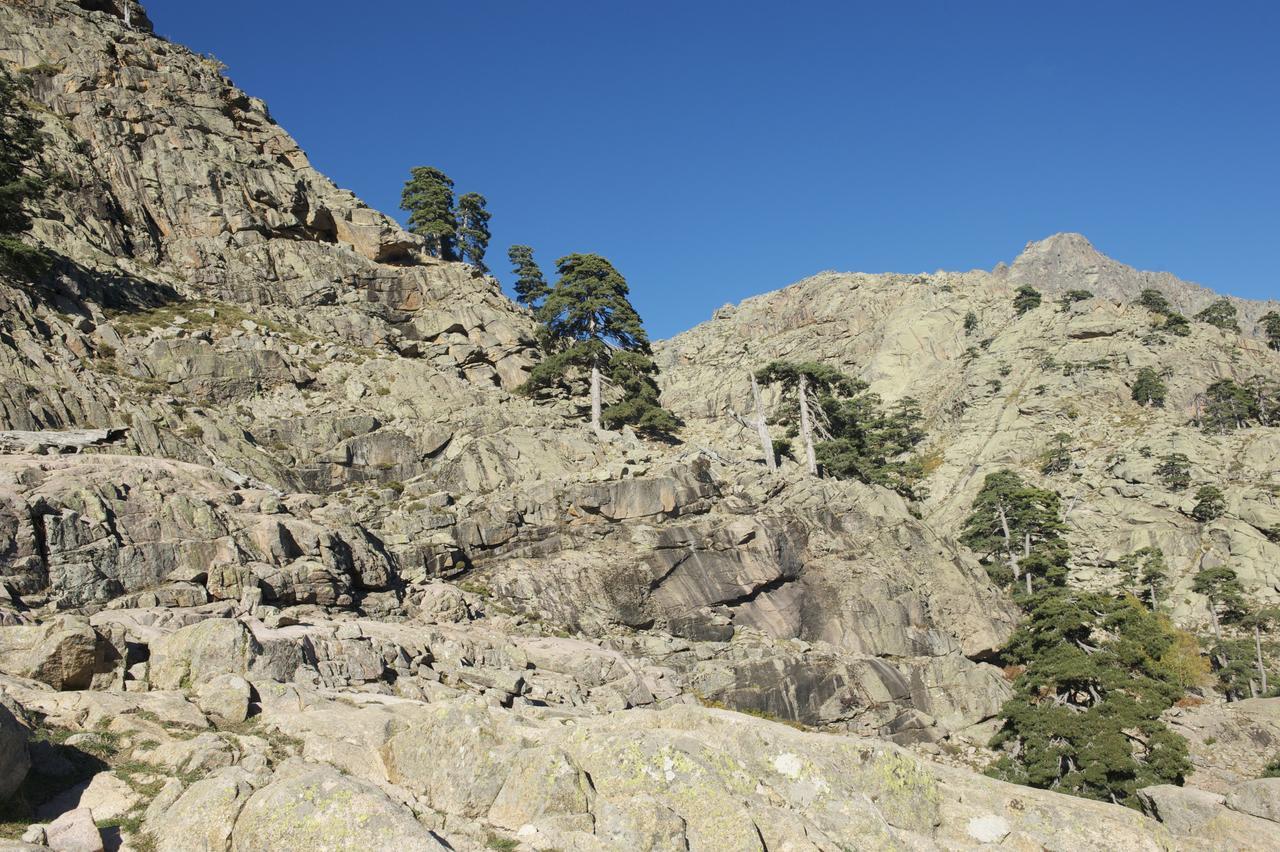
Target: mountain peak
<point>1064,250</point>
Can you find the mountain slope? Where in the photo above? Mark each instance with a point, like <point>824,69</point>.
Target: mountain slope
<point>996,397</point>
<point>321,553</point>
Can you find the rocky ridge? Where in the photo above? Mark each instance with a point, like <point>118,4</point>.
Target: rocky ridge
<point>321,554</point>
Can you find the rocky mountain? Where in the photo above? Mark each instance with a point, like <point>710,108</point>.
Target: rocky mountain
<point>276,534</point>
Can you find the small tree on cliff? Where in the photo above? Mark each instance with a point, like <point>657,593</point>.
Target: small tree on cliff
<point>1148,389</point>
<point>473,230</point>
<point>1221,314</point>
<point>531,288</point>
<point>803,384</point>
<point>20,180</point>
<point>1271,328</point>
<point>1020,525</point>
<point>428,198</point>
<point>1025,299</point>
<point>589,324</point>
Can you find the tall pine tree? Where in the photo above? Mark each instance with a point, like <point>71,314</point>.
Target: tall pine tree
<point>1019,524</point>
<point>589,324</point>
<point>531,288</point>
<point>428,198</point>
<point>473,230</point>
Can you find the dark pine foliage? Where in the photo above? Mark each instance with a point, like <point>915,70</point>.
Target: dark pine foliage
<point>21,180</point>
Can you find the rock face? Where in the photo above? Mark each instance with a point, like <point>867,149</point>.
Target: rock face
<point>995,399</point>
<point>285,564</point>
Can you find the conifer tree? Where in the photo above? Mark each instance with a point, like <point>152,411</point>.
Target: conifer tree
<point>1025,299</point>
<point>1229,406</point>
<point>1154,301</point>
<point>589,324</point>
<point>802,385</point>
<point>1176,324</point>
<point>1084,718</point>
<point>428,199</point>
<point>1210,504</point>
<point>20,179</point>
<point>1057,459</point>
<point>1148,389</point>
<point>531,288</point>
<point>1145,573</point>
<point>1072,296</point>
<point>970,323</point>
<point>1019,524</point>
<point>473,230</point>
<point>1270,323</point>
<point>1174,471</point>
<point>1221,314</point>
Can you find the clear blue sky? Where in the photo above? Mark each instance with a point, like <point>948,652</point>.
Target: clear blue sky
<point>715,150</point>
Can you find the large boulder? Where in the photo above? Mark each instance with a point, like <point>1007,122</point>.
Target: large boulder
<point>1260,798</point>
<point>194,655</point>
<point>316,807</point>
<point>64,652</point>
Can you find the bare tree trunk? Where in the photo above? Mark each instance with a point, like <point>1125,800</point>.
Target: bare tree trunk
<point>1155,604</point>
<point>1008,543</point>
<point>766,443</point>
<point>1257,647</point>
<point>1217,629</point>
<point>1026,554</point>
<point>806,428</point>
<point>595,396</point>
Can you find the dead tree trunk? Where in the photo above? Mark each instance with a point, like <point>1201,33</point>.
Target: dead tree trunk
<point>766,443</point>
<point>595,396</point>
<point>806,427</point>
<point>1257,647</point>
<point>1009,546</point>
<point>1026,554</point>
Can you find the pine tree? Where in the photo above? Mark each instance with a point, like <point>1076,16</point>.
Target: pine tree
<point>1145,573</point>
<point>970,323</point>
<point>21,181</point>
<point>1229,406</point>
<point>1176,324</point>
<point>1154,301</point>
<point>1227,605</point>
<point>1021,525</point>
<point>802,385</point>
<point>866,441</point>
<point>1025,299</point>
<point>1221,314</point>
<point>428,199</point>
<point>1084,718</point>
<point>473,230</point>
<point>588,324</point>
<point>1270,323</point>
<point>1072,296</point>
<point>1259,620</point>
<point>1148,389</point>
<point>1210,504</point>
<point>1057,459</point>
<point>531,288</point>
<point>1174,471</point>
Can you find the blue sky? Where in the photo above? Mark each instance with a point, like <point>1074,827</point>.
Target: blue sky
<point>716,150</point>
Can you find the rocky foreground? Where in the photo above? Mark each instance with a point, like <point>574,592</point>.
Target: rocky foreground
<point>285,564</point>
